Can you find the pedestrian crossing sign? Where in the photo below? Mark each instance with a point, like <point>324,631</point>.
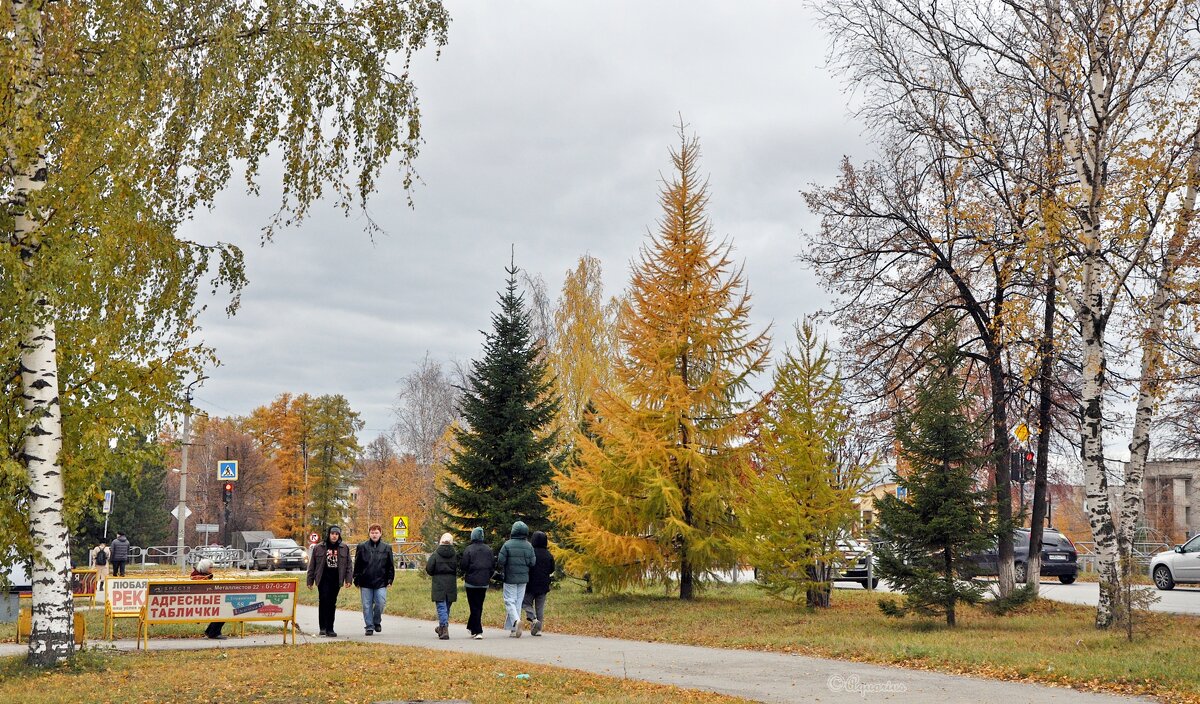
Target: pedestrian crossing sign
<point>400,527</point>
<point>227,470</point>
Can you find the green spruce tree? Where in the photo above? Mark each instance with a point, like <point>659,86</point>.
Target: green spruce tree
<point>502,462</point>
<point>928,535</point>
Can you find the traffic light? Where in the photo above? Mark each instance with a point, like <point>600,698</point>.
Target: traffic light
<point>228,496</point>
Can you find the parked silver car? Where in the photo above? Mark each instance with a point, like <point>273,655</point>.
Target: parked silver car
<point>1180,565</point>
<point>279,553</point>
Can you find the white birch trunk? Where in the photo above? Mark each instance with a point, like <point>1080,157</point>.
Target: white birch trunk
<point>1150,386</point>
<point>52,638</point>
<point>1084,139</point>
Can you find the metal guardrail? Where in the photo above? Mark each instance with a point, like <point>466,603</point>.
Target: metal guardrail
<point>409,555</point>
<point>1143,552</point>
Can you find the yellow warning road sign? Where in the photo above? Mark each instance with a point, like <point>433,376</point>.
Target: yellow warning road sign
<point>1021,432</point>
<point>400,527</point>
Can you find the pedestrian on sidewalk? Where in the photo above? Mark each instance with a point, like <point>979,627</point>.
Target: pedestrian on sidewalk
<point>374,571</point>
<point>203,570</point>
<point>99,556</point>
<point>442,565</point>
<point>538,588</point>
<point>119,554</point>
<point>476,566</point>
<point>515,561</point>
<point>329,569</point>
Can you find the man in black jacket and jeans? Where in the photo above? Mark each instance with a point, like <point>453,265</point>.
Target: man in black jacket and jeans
<point>374,571</point>
<point>119,554</point>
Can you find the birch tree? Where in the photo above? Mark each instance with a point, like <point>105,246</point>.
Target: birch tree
<point>120,120</point>
<point>1117,80</point>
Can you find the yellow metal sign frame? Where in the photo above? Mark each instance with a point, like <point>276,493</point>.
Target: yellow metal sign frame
<point>289,619</point>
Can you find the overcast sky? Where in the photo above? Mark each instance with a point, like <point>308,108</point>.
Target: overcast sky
<point>547,127</point>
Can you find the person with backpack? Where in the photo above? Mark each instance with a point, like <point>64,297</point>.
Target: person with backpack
<point>100,556</point>
<point>534,602</point>
<point>514,562</point>
<point>442,565</point>
<point>476,567</point>
<point>119,554</point>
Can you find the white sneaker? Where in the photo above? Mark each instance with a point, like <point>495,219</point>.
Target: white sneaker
<point>478,636</point>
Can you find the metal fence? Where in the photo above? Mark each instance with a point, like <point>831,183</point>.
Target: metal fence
<point>1142,554</point>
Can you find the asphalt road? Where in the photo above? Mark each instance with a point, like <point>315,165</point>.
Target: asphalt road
<point>1180,600</point>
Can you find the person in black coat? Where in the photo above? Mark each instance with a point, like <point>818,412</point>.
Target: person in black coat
<point>540,574</point>
<point>374,571</point>
<point>476,566</point>
<point>329,570</point>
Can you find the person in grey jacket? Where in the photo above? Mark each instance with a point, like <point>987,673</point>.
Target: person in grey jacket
<point>514,562</point>
<point>476,566</point>
<point>442,565</point>
<point>119,554</point>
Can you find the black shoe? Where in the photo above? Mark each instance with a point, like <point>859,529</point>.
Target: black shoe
<point>378,628</point>
<point>322,633</point>
<point>331,634</point>
<point>218,637</point>
<point>369,632</point>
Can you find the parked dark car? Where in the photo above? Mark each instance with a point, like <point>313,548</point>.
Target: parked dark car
<point>279,553</point>
<point>1058,556</point>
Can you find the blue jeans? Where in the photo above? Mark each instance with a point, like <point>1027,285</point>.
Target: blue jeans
<point>443,608</point>
<point>373,601</point>
<point>514,594</point>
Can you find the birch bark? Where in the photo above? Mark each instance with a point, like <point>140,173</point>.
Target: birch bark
<point>51,639</point>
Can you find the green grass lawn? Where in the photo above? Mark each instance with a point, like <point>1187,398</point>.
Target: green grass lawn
<point>1049,642</point>
<point>349,672</point>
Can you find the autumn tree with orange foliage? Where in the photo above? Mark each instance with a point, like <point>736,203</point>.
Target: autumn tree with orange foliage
<point>310,441</point>
<point>389,485</point>
<point>659,462</point>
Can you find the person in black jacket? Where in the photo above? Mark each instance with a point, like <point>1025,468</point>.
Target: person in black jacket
<point>374,571</point>
<point>534,602</point>
<point>119,554</point>
<point>329,570</point>
<point>476,565</point>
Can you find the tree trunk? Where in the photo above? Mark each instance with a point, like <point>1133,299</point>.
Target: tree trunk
<point>51,640</point>
<point>948,560</point>
<point>1003,475</point>
<point>1150,385</point>
<point>817,595</point>
<point>1033,568</point>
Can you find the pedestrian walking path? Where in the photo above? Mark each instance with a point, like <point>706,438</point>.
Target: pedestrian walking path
<point>761,676</point>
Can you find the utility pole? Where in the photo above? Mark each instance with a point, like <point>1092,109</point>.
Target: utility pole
<point>181,509</point>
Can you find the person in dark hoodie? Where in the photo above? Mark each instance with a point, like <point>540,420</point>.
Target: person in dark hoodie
<point>476,565</point>
<point>329,569</point>
<point>374,571</point>
<point>534,602</point>
<point>514,562</point>
<point>442,565</point>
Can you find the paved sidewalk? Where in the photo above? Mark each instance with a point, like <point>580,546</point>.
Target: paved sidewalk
<point>761,676</point>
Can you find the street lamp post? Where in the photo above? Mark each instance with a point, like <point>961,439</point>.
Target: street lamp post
<point>181,509</point>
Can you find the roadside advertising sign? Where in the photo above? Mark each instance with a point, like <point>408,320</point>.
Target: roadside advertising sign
<point>204,601</point>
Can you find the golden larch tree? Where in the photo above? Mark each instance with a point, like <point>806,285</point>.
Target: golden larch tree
<point>660,458</point>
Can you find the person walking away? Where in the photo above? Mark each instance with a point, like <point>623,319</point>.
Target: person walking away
<point>329,569</point>
<point>119,554</point>
<point>374,572</point>
<point>538,588</point>
<point>99,557</point>
<point>476,566</point>
<point>442,565</point>
<point>203,570</point>
<point>514,562</point>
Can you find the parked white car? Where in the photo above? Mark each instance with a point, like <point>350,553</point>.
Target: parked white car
<point>1180,565</point>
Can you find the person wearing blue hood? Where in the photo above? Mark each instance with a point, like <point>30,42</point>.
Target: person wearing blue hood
<point>476,565</point>
<point>515,561</point>
<point>329,569</point>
